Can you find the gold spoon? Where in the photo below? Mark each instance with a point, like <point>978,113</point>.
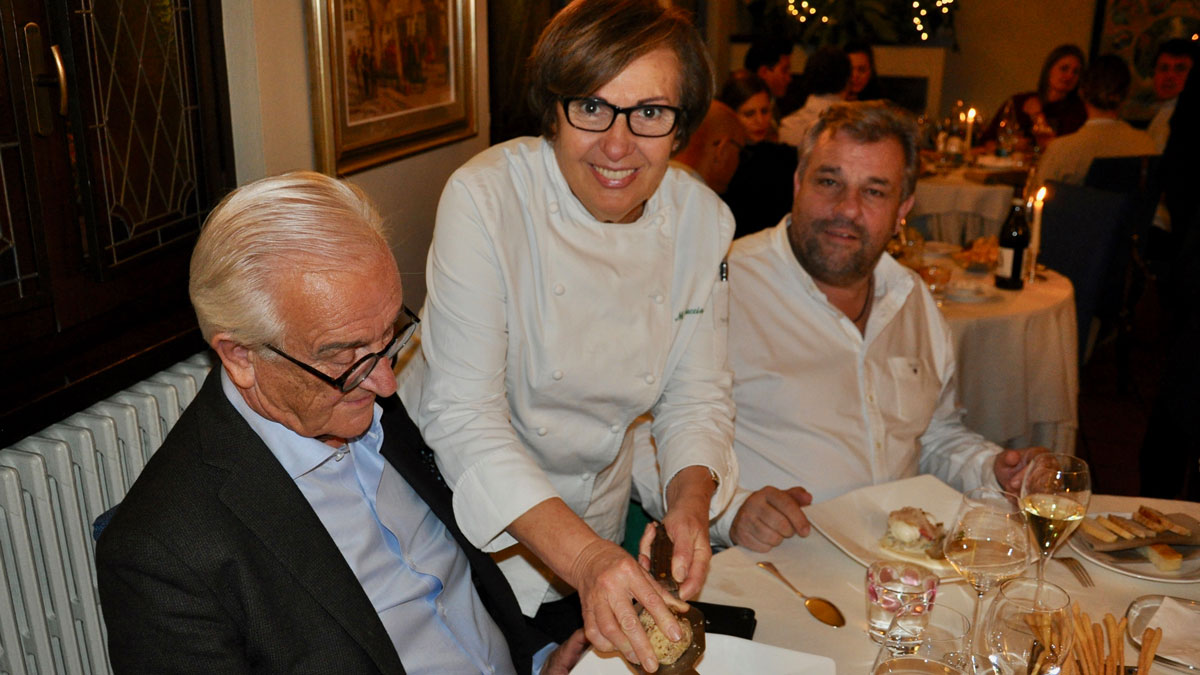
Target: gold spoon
<point>821,608</point>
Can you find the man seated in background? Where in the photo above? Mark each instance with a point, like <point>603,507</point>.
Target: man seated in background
<point>1104,86</point>
<point>712,152</point>
<point>771,60</point>
<point>291,521</point>
<point>844,369</point>
<point>826,76</point>
<point>1172,63</point>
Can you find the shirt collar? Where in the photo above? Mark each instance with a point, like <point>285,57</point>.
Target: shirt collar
<point>298,454</point>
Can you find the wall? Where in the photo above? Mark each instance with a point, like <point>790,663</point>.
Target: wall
<point>266,44</point>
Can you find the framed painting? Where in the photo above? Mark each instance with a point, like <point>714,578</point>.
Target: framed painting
<point>1133,29</point>
<point>390,78</point>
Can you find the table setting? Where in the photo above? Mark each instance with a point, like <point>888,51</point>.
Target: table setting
<point>836,562</point>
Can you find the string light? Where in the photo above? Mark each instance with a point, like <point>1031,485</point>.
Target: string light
<point>807,10</point>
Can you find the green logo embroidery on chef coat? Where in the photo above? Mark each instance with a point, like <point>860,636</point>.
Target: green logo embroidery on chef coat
<point>693,310</point>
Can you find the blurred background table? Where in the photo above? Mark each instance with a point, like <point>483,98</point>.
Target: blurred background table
<point>957,210</point>
<point>1018,372</point>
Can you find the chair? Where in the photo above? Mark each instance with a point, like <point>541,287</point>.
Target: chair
<point>1137,177</point>
<point>1080,235</point>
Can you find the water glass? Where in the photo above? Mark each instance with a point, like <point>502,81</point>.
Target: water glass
<point>933,640</point>
<point>1028,630</point>
<point>892,585</point>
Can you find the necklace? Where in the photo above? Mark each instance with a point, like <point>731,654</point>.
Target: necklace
<point>867,301</point>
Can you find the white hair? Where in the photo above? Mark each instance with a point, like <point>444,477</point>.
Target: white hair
<point>264,229</point>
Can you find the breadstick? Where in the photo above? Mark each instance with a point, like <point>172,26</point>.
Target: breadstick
<point>1150,639</point>
<point>1083,635</point>
<point>1110,626</point>
<point>1098,634</point>
<point>1121,644</point>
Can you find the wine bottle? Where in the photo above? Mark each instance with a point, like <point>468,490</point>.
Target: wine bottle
<point>1014,239</point>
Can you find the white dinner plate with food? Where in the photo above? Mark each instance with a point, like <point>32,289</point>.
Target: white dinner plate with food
<point>1132,563</point>
<point>723,654</point>
<point>857,520</point>
<point>960,291</point>
<point>1139,615</point>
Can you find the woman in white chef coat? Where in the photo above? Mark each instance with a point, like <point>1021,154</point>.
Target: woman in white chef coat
<point>574,284</point>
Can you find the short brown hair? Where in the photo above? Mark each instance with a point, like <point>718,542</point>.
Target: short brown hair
<point>1105,83</point>
<point>869,122</point>
<point>590,42</point>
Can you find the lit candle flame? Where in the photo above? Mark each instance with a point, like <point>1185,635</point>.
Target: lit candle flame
<point>1041,195</point>
<point>971,115</point>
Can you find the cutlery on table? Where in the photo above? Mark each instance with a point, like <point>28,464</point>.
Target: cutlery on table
<point>822,609</point>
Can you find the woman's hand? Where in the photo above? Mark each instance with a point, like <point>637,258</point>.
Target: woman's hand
<point>566,656</point>
<point>686,522</point>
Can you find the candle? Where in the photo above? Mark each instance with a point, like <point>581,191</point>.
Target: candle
<point>1035,237</point>
<point>970,126</point>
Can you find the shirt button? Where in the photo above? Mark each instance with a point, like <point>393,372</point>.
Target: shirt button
<point>665,228</point>
<point>542,431</point>
<point>558,374</point>
<point>871,398</point>
<point>649,379</point>
<point>559,289</point>
<point>616,428</point>
<point>553,207</point>
<point>658,221</point>
<point>585,477</point>
<point>658,298</point>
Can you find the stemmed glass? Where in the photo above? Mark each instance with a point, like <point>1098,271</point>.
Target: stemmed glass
<point>988,543</point>
<point>1028,629</point>
<point>924,639</point>
<point>1055,495</point>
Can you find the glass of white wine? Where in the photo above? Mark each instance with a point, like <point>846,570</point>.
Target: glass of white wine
<point>1055,495</point>
<point>1028,629</point>
<point>987,543</point>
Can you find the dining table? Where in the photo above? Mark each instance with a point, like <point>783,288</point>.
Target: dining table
<point>816,566</point>
<point>1018,366</point>
<point>955,208</point>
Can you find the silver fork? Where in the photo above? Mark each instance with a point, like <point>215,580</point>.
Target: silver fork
<point>1078,570</point>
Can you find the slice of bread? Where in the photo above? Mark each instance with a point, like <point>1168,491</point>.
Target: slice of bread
<point>1135,527</point>
<point>1093,529</point>
<point>1114,527</point>
<point>1158,522</point>
<point>1164,557</point>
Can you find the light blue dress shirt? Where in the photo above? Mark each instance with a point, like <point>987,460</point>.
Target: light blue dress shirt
<point>411,568</point>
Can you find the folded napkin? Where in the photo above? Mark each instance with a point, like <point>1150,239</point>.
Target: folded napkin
<point>1180,625</point>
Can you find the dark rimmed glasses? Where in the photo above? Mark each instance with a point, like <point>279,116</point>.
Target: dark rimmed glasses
<point>596,114</point>
<point>402,331</point>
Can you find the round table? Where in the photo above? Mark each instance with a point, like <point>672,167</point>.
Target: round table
<point>954,209</point>
<point>1018,367</point>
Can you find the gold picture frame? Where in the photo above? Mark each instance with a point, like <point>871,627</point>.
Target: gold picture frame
<point>389,78</point>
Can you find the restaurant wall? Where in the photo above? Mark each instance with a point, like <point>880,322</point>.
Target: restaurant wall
<point>1002,44</point>
<point>266,48</point>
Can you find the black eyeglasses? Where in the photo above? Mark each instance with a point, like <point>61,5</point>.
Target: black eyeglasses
<point>403,330</point>
<point>596,114</point>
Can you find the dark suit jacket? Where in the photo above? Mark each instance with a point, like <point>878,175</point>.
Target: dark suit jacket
<point>216,563</point>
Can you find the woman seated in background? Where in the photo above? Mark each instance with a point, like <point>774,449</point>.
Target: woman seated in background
<point>574,285</point>
<point>760,192</point>
<point>864,85</point>
<point>1055,109</point>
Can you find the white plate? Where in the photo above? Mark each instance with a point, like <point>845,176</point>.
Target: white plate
<point>971,292</point>
<point>855,521</point>
<point>723,654</point>
<point>1135,565</point>
<point>1139,614</point>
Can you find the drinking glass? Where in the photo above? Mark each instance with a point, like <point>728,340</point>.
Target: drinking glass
<point>1055,495</point>
<point>987,543</point>
<point>925,640</point>
<point>893,585</point>
<point>1028,628</point>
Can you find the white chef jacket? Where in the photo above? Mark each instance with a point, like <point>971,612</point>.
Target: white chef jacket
<point>546,333</point>
<point>826,407</point>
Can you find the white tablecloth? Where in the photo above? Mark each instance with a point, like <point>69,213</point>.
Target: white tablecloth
<point>817,567</point>
<point>954,209</point>
<point>1018,365</point>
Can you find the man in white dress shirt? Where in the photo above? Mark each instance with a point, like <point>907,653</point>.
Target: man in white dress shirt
<point>1172,64</point>
<point>844,369</point>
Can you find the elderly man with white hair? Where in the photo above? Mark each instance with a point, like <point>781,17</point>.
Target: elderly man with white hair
<point>291,521</point>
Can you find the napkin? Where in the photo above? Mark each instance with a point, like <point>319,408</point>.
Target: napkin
<point>1180,626</point>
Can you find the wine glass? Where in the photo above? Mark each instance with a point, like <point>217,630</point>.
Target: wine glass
<point>924,639</point>
<point>1055,495</point>
<point>988,543</point>
<point>1028,628</point>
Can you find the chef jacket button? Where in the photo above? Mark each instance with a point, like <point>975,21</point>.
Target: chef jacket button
<point>585,477</point>
<point>559,289</point>
<point>658,298</point>
<point>558,374</point>
<point>658,221</point>
<point>649,378</point>
<point>665,228</point>
<point>542,431</point>
<point>553,207</point>
<point>616,428</point>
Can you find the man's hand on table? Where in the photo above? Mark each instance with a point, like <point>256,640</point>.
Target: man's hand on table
<point>567,655</point>
<point>769,516</point>
<point>1010,465</point>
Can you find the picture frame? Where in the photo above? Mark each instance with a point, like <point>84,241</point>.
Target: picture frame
<point>389,78</point>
